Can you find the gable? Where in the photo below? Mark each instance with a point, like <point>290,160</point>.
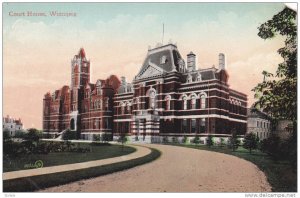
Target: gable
<point>150,70</point>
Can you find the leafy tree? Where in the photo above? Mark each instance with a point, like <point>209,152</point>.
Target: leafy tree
<point>233,141</point>
<point>20,134</point>
<point>6,135</point>
<point>250,142</point>
<point>278,96</point>
<point>33,135</point>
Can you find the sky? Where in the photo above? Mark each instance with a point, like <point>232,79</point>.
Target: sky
<point>37,50</point>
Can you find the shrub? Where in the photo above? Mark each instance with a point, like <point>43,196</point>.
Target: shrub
<point>165,139</point>
<point>69,135</point>
<point>175,140</point>
<point>196,140</point>
<point>185,140</point>
<point>209,141</point>
<point>96,137</point>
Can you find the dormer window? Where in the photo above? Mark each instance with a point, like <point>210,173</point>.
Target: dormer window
<point>189,78</point>
<point>199,77</point>
<point>163,60</point>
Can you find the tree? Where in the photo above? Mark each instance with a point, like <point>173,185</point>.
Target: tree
<point>250,142</point>
<point>6,135</point>
<point>278,96</point>
<point>233,142</point>
<point>33,135</point>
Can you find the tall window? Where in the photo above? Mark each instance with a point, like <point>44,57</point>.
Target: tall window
<point>106,103</point>
<point>202,125</point>
<point>168,102</point>
<point>193,125</point>
<point>152,100</point>
<point>202,102</point>
<point>184,100</point>
<point>184,125</point>
<point>122,108</point>
<point>193,102</point>
<point>129,107</point>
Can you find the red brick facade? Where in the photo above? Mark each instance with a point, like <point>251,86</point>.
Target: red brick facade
<point>166,98</point>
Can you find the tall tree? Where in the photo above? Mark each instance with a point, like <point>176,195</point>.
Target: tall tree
<point>278,95</point>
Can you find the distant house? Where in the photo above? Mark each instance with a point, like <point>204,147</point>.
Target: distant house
<point>12,125</point>
<point>258,123</point>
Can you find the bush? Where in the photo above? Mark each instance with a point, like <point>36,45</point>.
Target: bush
<point>175,140</point>
<point>69,135</point>
<point>96,137</point>
<point>196,140</point>
<point>165,139</point>
<point>106,137</point>
<point>185,140</point>
<point>209,141</point>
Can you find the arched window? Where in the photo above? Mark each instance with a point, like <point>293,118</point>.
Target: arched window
<point>168,102</point>
<point>193,101</point>
<point>128,107</point>
<point>203,101</point>
<point>152,98</point>
<point>122,107</point>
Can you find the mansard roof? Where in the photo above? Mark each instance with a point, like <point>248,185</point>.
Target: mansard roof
<point>155,55</point>
<point>206,74</point>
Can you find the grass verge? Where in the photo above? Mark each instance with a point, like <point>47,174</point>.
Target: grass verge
<point>98,151</point>
<point>280,174</point>
<point>34,183</point>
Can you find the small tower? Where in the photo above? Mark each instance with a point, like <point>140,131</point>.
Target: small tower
<point>191,62</point>
<point>222,61</point>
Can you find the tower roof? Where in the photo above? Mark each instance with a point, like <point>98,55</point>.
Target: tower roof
<point>81,53</point>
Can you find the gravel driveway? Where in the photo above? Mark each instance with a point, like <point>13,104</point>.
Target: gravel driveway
<point>179,169</point>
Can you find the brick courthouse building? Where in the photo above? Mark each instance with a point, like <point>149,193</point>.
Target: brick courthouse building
<point>166,98</point>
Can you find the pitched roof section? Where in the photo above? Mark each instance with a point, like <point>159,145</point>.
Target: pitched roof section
<point>165,57</point>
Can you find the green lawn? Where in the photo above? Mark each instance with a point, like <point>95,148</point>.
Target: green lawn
<point>100,151</point>
<point>280,174</point>
<point>34,183</point>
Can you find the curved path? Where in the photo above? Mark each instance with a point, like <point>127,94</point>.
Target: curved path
<point>179,169</point>
<point>140,152</point>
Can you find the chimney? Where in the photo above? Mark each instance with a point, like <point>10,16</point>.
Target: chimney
<point>123,80</point>
<point>191,62</point>
<point>222,61</point>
